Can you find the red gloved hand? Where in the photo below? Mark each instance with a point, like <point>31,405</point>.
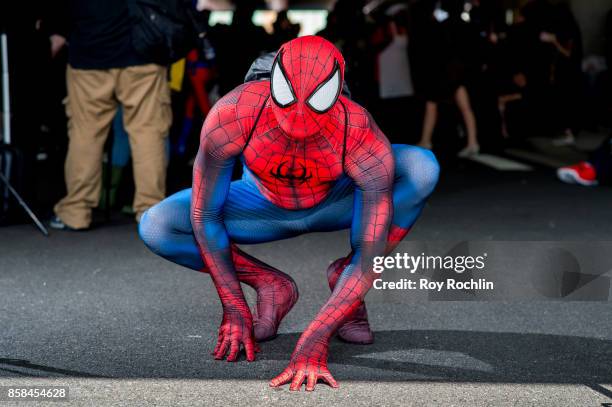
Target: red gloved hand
<point>309,361</point>
<point>236,329</point>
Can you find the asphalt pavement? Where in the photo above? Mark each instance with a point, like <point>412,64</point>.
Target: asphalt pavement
<point>98,312</point>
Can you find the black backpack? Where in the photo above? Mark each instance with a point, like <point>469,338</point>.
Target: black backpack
<point>261,69</point>
<point>162,30</point>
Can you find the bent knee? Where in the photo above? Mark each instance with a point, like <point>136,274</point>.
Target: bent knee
<point>419,167</point>
<point>154,228</point>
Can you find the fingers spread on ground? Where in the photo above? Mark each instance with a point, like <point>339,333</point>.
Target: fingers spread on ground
<point>217,346</point>
<point>249,348</point>
<point>222,349</point>
<point>282,378</point>
<point>234,349</point>
<point>311,382</point>
<point>219,342</point>
<point>298,379</point>
<point>329,379</point>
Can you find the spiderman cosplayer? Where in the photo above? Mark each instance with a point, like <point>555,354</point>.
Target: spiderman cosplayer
<point>314,161</point>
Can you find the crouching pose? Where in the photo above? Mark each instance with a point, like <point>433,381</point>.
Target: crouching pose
<point>314,161</point>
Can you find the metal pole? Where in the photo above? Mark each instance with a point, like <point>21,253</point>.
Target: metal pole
<point>25,206</point>
<point>6,103</point>
<point>6,111</point>
<point>6,108</point>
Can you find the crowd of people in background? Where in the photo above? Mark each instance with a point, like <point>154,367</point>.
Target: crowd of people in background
<point>456,76</point>
<point>410,62</point>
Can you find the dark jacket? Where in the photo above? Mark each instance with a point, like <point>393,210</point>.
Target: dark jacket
<point>98,33</point>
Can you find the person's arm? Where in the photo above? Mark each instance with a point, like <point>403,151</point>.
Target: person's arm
<point>56,23</point>
<point>370,165</point>
<point>222,140</point>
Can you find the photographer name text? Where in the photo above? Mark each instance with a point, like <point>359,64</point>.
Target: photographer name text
<point>429,285</point>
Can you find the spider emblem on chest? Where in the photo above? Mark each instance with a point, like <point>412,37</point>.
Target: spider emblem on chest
<point>284,173</point>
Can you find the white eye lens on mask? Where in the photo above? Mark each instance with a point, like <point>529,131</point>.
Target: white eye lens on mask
<point>281,90</point>
<point>326,94</point>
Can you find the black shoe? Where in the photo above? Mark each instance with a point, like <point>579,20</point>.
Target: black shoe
<point>57,224</point>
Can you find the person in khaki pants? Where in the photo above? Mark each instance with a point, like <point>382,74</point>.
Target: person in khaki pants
<point>93,97</point>
<point>104,72</point>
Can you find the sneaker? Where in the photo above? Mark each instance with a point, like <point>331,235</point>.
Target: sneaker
<point>469,151</point>
<point>57,224</point>
<point>583,173</point>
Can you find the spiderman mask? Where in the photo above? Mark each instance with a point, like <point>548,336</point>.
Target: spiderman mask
<point>306,81</point>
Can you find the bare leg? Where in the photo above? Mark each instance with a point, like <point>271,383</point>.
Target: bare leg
<point>429,124</point>
<point>463,103</point>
